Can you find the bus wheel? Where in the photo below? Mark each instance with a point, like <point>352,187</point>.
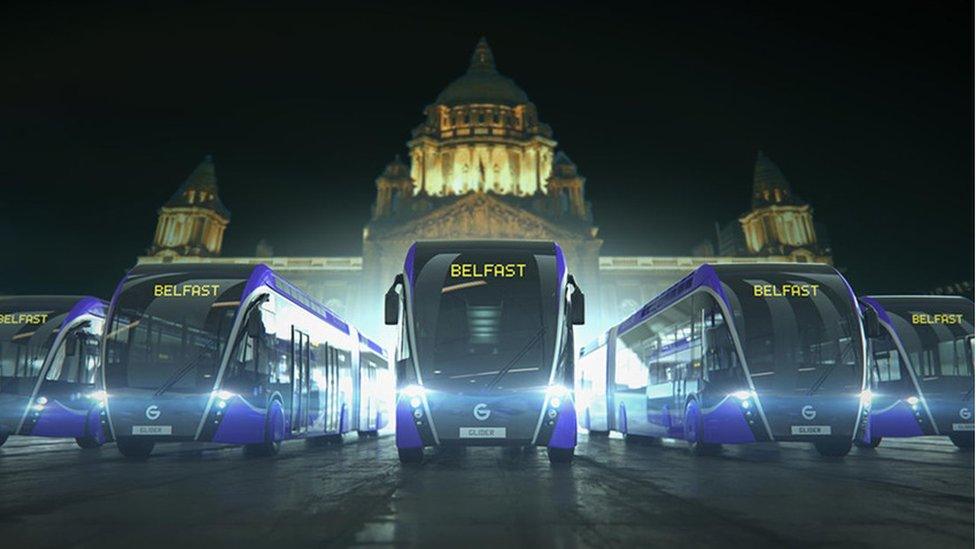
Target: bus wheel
<point>833,447</point>
<point>560,455</point>
<point>963,441</point>
<point>695,431</point>
<point>87,442</point>
<point>599,434</point>
<point>3,438</point>
<point>875,442</point>
<point>135,449</point>
<point>263,449</point>
<point>411,455</point>
<point>367,434</point>
<point>641,440</point>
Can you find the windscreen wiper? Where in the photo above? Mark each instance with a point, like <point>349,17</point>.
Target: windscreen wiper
<point>181,373</point>
<point>525,348</point>
<point>826,373</point>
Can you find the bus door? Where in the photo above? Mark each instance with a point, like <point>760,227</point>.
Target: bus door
<point>367,394</point>
<point>608,382</point>
<point>299,380</point>
<point>332,404</point>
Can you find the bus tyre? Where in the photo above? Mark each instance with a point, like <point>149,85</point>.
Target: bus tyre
<point>694,433</point>
<point>87,443</point>
<point>963,441</point>
<point>135,449</point>
<point>411,455</point>
<point>875,442</point>
<point>274,431</point>
<point>561,455</point>
<point>3,438</point>
<point>833,447</point>
<point>599,434</point>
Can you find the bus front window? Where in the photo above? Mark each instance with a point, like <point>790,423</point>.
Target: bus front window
<point>168,333</point>
<point>800,332</point>
<point>485,321</point>
<point>936,334</point>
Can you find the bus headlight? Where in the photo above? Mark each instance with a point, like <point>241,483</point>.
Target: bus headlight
<point>556,394</point>
<point>411,391</point>
<point>41,401</point>
<point>415,394</point>
<point>224,395</point>
<point>866,396</point>
<point>913,402</point>
<point>99,396</point>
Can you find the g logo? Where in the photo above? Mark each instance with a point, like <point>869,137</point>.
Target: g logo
<point>481,412</point>
<point>808,412</point>
<point>965,413</point>
<point>152,412</point>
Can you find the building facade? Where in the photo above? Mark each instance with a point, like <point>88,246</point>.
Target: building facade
<point>482,165</point>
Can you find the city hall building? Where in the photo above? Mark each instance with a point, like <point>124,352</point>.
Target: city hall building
<point>483,165</point>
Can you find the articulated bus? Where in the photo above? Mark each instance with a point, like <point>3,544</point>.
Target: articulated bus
<point>734,354</point>
<point>485,353</point>
<point>234,355</point>
<point>49,368</point>
<point>922,368</point>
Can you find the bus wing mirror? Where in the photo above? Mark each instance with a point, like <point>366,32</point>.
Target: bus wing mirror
<point>71,345</point>
<point>391,306</point>
<point>872,324</point>
<point>577,303</point>
<point>255,324</point>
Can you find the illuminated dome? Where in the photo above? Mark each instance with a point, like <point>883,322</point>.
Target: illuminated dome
<point>482,84</point>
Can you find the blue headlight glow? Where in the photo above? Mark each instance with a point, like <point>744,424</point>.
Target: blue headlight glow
<point>743,395</point>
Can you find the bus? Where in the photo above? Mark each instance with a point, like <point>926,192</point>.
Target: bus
<point>485,352</point>
<point>233,355</point>
<point>49,368</point>
<point>922,368</point>
<point>734,354</point>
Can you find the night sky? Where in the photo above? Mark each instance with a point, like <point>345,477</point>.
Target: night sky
<point>105,110</point>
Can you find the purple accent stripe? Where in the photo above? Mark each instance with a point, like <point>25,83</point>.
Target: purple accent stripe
<point>263,275</point>
<point>408,263</point>
<point>726,424</point>
<point>372,345</point>
<point>407,435</point>
<point>560,263</point>
<point>882,314</point>
<point>564,433</point>
<point>85,305</point>
<point>704,275</point>
<point>241,424</point>
<point>58,420</point>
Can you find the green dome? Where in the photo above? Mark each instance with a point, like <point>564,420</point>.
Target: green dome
<point>482,84</point>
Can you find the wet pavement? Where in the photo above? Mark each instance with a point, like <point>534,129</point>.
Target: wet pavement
<point>907,493</point>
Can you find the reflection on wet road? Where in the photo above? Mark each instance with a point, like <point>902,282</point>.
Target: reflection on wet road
<point>908,493</point>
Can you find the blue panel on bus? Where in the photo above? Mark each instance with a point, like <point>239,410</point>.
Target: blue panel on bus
<point>372,345</point>
<point>408,263</point>
<point>87,305</point>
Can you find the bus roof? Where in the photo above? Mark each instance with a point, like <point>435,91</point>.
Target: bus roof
<point>76,305</point>
<point>255,275</point>
<point>877,302</point>
<point>710,276</point>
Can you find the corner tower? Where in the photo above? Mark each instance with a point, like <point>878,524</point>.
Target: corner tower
<point>780,223</point>
<point>193,220</point>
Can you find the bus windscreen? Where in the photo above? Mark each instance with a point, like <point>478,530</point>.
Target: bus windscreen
<point>936,334</point>
<point>800,332</point>
<point>168,333</point>
<point>485,320</point>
